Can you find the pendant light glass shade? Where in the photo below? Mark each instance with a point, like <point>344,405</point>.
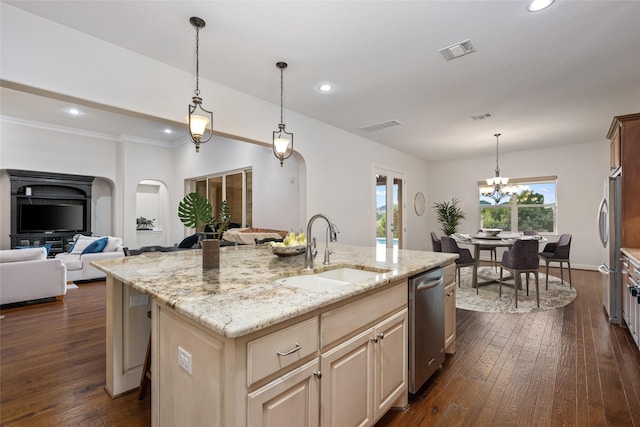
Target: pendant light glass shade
<point>198,117</point>
<point>282,140</point>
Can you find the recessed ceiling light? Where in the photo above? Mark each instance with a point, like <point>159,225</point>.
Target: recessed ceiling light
<point>325,87</point>
<point>537,5</point>
<point>167,130</point>
<point>73,111</point>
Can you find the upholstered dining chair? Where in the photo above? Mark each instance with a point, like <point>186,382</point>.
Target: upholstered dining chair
<point>435,242</point>
<point>493,254</point>
<point>464,260</point>
<point>557,252</point>
<point>522,258</point>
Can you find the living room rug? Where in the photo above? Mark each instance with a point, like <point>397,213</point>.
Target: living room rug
<point>487,300</point>
<point>72,286</point>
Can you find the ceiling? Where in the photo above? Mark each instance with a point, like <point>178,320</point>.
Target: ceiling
<point>553,77</point>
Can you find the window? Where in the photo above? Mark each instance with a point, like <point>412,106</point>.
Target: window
<point>235,187</point>
<point>533,207</point>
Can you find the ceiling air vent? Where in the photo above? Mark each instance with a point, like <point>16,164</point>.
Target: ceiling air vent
<point>482,116</point>
<point>380,126</point>
<point>457,50</point>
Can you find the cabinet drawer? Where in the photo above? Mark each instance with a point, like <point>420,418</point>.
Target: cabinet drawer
<point>280,349</point>
<point>353,317</point>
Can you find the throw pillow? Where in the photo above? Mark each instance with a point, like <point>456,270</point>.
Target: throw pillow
<point>96,246</point>
<point>188,242</point>
<point>81,243</point>
<point>113,244</point>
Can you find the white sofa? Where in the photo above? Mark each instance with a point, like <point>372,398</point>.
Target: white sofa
<point>78,261</point>
<point>27,274</point>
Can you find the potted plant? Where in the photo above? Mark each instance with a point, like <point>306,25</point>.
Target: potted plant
<point>195,211</point>
<point>449,215</point>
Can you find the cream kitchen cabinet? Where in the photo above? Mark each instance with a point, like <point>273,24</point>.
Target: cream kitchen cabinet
<point>630,303</point>
<point>342,363</point>
<point>291,400</point>
<point>362,377</point>
<point>450,309</point>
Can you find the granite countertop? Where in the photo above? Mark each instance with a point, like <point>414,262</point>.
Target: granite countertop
<point>240,297</point>
<point>633,253</point>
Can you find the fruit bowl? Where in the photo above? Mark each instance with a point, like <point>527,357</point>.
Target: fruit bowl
<point>491,231</point>
<point>288,250</point>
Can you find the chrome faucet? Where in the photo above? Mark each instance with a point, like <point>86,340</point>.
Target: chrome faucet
<point>312,251</point>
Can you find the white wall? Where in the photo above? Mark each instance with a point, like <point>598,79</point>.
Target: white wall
<point>581,170</point>
<point>339,165</point>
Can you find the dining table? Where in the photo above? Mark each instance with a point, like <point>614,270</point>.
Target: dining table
<point>505,239</point>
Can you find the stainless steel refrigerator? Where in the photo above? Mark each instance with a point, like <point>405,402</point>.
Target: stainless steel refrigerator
<point>609,228</point>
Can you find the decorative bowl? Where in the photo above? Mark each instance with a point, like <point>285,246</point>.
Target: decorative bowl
<point>491,231</point>
<point>287,250</point>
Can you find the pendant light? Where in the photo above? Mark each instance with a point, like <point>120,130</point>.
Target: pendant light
<point>497,187</point>
<point>198,117</point>
<point>282,140</point>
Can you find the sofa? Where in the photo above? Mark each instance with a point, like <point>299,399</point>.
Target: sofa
<point>86,249</point>
<point>27,274</point>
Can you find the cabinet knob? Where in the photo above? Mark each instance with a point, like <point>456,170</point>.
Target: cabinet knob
<point>374,339</point>
<point>318,374</point>
<point>381,335</point>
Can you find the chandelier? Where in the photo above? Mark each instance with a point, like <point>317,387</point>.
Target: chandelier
<point>497,187</point>
<point>281,138</point>
<point>198,120</point>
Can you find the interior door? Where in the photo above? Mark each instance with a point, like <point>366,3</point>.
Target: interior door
<point>389,208</point>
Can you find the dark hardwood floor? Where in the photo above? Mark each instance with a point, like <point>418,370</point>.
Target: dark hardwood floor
<point>52,365</point>
<point>561,367</point>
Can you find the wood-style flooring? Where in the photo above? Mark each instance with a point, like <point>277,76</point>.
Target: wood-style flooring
<point>561,367</point>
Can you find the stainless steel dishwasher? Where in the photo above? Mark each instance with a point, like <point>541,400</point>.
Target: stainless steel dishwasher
<point>426,326</point>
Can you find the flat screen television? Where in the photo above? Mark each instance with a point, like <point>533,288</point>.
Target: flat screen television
<point>42,218</point>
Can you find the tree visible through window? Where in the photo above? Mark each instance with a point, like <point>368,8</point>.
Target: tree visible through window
<point>533,207</point>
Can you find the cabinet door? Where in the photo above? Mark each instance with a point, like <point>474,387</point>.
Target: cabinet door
<point>347,382</point>
<point>391,370</point>
<point>289,401</point>
<point>450,318</point>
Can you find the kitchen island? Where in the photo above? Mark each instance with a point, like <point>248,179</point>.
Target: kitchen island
<point>231,347</point>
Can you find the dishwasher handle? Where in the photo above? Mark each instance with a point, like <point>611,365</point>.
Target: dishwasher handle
<point>430,285</point>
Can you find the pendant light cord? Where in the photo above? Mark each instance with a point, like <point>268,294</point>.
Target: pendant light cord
<point>497,167</point>
<point>281,95</point>
<point>197,91</point>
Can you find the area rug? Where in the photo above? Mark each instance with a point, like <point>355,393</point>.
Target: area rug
<point>72,286</point>
<point>487,300</point>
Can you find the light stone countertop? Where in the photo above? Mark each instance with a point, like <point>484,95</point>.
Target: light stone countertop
<point>240,297</point>
<point>633,253</point>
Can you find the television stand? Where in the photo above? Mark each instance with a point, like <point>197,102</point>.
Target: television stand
<point>46,188</point>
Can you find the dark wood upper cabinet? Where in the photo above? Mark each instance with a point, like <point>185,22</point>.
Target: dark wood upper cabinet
<point>624,135</point>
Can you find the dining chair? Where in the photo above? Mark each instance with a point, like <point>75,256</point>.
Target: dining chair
<point>522,258</point>
<point>435,242</point>
<point>493,254</point>
<point>557,252</point>
<point>464,260</point>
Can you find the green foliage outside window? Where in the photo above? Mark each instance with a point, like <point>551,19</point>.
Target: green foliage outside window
<point>539,217</point>
<point>498,217</point>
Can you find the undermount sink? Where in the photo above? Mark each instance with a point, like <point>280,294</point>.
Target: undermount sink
<point>329,280</point>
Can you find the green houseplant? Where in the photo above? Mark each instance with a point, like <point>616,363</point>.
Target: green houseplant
<point>449,215</point>
<point>195,211</point>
